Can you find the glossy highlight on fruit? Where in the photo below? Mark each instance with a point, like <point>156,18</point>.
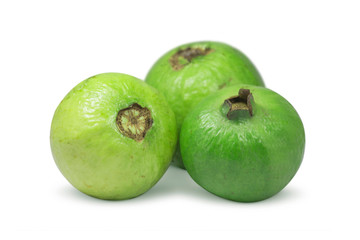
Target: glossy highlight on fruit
<point>244,143</point>
<point>113,136</point>
<point>190,72</point>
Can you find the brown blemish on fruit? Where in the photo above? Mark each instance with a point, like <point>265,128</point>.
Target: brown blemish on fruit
<point>242,102</point>
<point>187,55</point>
<point>221,86</point>
<point>134,121</point>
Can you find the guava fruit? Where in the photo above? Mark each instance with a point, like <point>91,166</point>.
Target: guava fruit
<point>191,71</point>
<point>244,145</point>
<point>113,136</point>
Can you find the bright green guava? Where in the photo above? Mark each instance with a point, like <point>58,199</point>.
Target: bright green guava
<point>190,72</point>
<point>246,148</point>
<point>113,136</point>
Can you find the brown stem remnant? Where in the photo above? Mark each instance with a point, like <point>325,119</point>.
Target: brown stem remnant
<point>184,56</point>
<point>242,104</point>
<point>134,121</point>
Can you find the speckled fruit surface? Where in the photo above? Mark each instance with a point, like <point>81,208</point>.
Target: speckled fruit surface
<point>245,158</point>
<point>191,71</point>
<point>113,136</point>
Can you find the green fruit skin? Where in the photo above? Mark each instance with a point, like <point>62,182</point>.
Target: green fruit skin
<point>90,151</point>
<point>184,88</point>
<point>247,159</point>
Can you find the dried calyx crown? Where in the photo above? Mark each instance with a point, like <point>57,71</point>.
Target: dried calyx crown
<point>184,56</point>
<point>240,105</point>
<point>134,121</point>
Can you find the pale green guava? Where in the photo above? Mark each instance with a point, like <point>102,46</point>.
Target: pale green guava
<point>113,136</point>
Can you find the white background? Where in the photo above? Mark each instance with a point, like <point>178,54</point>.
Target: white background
<point>308,51</point>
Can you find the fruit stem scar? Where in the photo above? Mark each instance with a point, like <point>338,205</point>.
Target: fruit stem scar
<point>240,105</point>
<point>134,121</point>
<point>184,56</point>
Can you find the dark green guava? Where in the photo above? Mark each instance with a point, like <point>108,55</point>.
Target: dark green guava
<point>243,145</point>
<point>113,136</point>
<point>191,71</point>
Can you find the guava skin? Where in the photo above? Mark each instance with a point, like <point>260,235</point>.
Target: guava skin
<point>91,152</point>
<point>183,88</point>
<point>246,159</point>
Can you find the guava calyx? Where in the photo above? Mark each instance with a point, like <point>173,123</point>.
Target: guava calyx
<point>134,121</point>
<point>240,105</point>
<point>184,56</point>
